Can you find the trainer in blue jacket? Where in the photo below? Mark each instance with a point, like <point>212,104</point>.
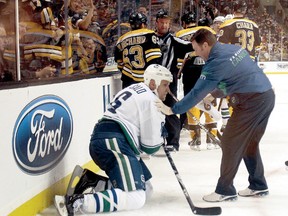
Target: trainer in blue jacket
<point>229,71</point>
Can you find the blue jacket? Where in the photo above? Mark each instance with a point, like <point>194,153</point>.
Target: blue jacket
<point>229,70</point>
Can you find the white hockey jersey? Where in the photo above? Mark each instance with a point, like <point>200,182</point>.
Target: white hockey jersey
<point>134,109</point>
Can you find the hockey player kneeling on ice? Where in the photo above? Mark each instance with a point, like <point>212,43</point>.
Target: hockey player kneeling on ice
<point>131,125</point>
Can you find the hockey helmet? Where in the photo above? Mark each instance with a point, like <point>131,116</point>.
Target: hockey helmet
<point>220,19</point>
<point>162,13</point>
<point>136,19</point>
<point>203,22</point>
<point>189,17</point>
<point>158,73</point>
<point>240,7</point>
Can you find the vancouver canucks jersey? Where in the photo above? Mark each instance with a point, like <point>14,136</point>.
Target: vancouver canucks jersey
<point>134,52</point>
<point>134,109</point>
<point>242,32</point>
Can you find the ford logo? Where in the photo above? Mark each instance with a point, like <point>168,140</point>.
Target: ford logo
<point>42,134</point>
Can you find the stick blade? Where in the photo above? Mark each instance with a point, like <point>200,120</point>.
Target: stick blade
<point>207,211</point>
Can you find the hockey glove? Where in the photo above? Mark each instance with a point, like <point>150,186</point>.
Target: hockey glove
<point>163,108</point>
<point>210,109</point>
<point>208,99</point>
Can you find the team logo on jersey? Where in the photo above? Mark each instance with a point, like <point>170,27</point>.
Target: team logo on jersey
<point>42,134</point>
<point>221,32</point>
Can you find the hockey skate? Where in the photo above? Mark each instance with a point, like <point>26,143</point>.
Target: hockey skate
<point>223,127</point>
<point>68,205</point>
<point>215,197</point>
<point>249,192</point>
<point>211,144</point>
<point>89,182</point>
<point>195,144</point>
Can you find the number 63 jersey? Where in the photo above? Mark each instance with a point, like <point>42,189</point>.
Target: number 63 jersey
<point>142,124</point>
<point>242,32</point>
<point>134,52</point>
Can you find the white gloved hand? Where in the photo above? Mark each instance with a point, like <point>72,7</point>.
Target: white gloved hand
<point>163,108</point>
<point>210,109</point>
<point>208,99</point>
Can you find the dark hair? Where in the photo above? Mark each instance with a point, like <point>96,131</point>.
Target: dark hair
<point>189,17</point>
<point>136,19</point>
<point>162,13</point>
<point>204,35</point>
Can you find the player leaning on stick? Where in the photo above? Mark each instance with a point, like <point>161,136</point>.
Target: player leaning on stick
<point>115,146</point>
<point>191,70</point>
<point>229,71</point>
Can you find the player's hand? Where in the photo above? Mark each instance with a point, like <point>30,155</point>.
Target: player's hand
<point>163,108</point>
<point>210,109</point>
<point>208,99</point>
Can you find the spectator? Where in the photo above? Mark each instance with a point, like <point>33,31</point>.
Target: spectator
<point>80,18</point>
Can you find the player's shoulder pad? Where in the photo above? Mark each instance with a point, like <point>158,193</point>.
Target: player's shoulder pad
<point>179,40</point>
<point>207,28</point>
<point>234,20</point>
<point>135,33</point>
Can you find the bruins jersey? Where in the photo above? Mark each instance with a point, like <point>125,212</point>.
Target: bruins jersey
<point>186,34</point>
<point>242,32</point>
<point>192,64</point>
<point>89,64</point>
<point>134,51</point>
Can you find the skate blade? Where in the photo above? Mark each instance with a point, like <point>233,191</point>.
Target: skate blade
<point>77,173</point>
<point>59,203</point>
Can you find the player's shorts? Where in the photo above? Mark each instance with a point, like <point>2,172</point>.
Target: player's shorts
<point>111,151</point>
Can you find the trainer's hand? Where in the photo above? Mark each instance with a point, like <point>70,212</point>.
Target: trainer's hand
<point>208,99</point>
<point>163,108</point>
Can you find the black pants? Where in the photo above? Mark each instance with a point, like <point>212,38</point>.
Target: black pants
<point>172,125</point>
<point>241,139</point>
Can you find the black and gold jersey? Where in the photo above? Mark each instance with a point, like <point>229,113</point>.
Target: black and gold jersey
<point>241,32</point>
<point>186,34</point>
<point>134,52</point>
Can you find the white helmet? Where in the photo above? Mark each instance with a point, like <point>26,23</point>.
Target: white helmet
<point>157,73</point>
<point>229,16</point>
<point>219,19</point>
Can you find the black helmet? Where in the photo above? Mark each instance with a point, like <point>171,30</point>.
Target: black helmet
<point>189,17</point>
<point>240,6</point>
<point>203,22</point>
<point>136,19</point>
<point>162,13</point>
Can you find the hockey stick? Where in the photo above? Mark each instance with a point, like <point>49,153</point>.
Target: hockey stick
<point>196,210</point>
<point>212,136</point>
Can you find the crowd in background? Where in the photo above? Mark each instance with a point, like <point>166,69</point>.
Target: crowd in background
<point>50,46</point>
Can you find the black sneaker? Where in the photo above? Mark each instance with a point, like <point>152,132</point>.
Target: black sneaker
<point>88,181</point>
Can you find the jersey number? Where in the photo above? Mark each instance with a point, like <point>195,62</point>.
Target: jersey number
<point>137,58</point>
<point>118,101</point>
<point>246,39</point>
